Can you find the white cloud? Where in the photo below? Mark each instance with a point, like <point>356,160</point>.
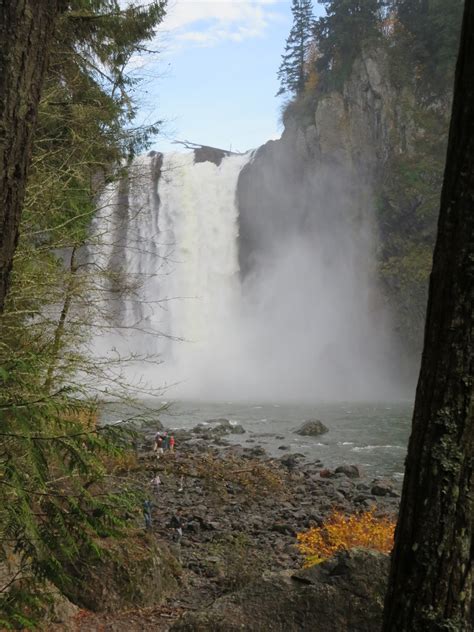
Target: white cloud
<point>206,23</point>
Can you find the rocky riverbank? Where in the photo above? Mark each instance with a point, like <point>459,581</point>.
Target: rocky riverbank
<point>241,510</point>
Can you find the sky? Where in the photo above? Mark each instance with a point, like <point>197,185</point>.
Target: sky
<point>213,79</point>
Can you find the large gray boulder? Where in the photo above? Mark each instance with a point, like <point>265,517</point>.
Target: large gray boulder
<point>216,428</point>
<point>344,594</point>
<point>351,471</point>
<point>138,573</point>
<point>312,428</point>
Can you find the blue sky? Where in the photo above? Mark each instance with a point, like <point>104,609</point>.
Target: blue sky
<point>214,79</point>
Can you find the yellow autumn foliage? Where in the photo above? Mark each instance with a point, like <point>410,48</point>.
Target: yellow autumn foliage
<point>345,532</point>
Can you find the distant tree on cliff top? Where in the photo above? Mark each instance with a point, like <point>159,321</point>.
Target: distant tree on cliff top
<point>429,32</point>
<point>347,25</point>
<point>293,68</point>
<point>432,574</point>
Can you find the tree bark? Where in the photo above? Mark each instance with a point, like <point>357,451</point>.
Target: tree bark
<point>431,579</point>
<point>26,30</point>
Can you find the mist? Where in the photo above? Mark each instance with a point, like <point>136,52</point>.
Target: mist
<point>254,286</point>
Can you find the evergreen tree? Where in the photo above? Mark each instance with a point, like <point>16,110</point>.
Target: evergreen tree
<point>293,68</point>
<point>428,30</point>
<point>348,24</point>
<point>55,503</point>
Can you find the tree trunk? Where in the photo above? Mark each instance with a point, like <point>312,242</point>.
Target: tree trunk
<point>59,331</point>
<point>431,579</point>
<point>26,28</point>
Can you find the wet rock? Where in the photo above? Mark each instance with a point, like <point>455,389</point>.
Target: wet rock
<point>212,525</point>
<point>216,429</point>
<point>255,452</point>
<point>181,436</point>
<point>326,473</point>
<point>351,471</point>
<point>382,488</point>
<point>236,429</point>
<point>282,527</point>
<point>193,526</point>
<point>292,460</point>
<point>315,518</point>
<point>360,498</point>
<point>312,428</point>
<point>346,492</point>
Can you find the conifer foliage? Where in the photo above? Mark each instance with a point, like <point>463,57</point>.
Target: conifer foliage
<point>293,68</point>
<point>430,32</point>
<point>57,498</point>
<point>347,25</point>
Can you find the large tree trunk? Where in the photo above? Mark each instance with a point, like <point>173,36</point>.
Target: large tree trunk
<point>26,28</point>
<point>431,581</point>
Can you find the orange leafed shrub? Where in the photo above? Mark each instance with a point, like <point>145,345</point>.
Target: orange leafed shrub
<point>345,532</point>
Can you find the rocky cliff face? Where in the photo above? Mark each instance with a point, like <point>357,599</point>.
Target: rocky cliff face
<point>357,150</point>
<point>336,149</point>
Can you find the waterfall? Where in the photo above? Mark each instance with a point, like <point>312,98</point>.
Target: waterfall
<point>167,237</point>
<point>300,324</point>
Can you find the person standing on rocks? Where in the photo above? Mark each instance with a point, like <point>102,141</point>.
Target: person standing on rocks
<point>158,445</point>
<point>176,523</point>
<point>171,442</point>
<point>147,514</point>
<point>166,442</point>
<point>155,483</point>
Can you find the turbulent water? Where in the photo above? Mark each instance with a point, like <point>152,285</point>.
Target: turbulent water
<point>371,435</point>
<point>301,327</point>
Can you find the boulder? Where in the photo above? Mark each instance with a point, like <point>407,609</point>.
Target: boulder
<point>382,488</point>
<point>292,460</point>
<point>182,435</point>
<point>217,428</point>
<point>136,572</point>
<point>312,428</point>
<point>326,473</point>
<point>285,528</point>
<point>60,610</point>
<point>351,471</point>
<point>343,594</point>
<point>255,452</point>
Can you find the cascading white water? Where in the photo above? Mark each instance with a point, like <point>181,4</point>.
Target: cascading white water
<point>175,244</point>
<point>199,222</point>
<point>300,326</point>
